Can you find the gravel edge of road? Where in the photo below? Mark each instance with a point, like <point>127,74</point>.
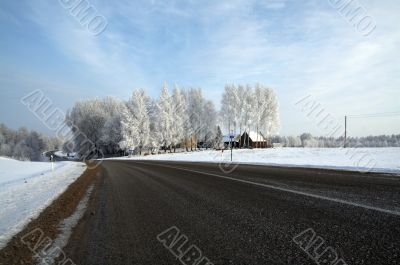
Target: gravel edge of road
<point>18,250</point>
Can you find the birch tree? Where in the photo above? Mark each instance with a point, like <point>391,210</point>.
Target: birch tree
<point>165,118</point>
<point>270,115</point>
<point>228,108</point>
<point>138,106</point>
<point>195,105</point>
<point>179,115</point>
<point>129,131</point>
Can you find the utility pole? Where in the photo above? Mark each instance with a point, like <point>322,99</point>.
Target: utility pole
<point>345,131</point>
<point>231,136</point>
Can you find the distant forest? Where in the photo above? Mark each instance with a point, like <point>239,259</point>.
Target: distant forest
<point>23,144</point>
<point>307,140</point>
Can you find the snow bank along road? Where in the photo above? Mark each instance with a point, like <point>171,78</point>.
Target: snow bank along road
<point>255,215</point>
<point>27,188</point>
<point>384,160</point>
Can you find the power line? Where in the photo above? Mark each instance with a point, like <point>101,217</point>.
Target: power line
<point>370,115</point>
<point>373,115</point>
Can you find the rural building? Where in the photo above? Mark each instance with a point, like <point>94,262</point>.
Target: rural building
<point>253,140</point>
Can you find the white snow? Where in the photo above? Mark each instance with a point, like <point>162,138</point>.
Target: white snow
<point>51,253</point>
<point>27,188</point>
<point>385,160</point>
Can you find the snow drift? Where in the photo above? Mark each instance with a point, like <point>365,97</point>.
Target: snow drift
<point>27,188</point>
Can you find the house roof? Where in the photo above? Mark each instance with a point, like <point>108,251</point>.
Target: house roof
<point>256,136</point>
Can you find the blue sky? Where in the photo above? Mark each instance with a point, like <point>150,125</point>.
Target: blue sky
<point>299,48</point>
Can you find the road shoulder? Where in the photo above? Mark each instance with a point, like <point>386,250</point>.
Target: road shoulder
<point>23,247</point>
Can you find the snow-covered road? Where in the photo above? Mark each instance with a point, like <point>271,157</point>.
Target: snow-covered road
<point>27,188</point>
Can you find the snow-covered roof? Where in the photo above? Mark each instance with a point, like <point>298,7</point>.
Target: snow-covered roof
<point>256,136</point>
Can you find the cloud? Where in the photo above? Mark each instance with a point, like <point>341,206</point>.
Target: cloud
<point>298,48</point>
<point>106,57</point>
<point>274,4</point>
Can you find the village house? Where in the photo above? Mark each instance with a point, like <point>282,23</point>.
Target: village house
<point>253,139</point>
<point>247,140</point>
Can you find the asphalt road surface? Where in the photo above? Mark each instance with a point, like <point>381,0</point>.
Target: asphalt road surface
<point>154,212</point>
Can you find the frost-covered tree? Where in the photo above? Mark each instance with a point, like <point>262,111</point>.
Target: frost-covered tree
<point>249,108</point>
<point>313,143</point>
<point>34,144</point>
<point>128,130</point>
<point>202,116</point>
<point>270,114</point>
<point>239,103</point>
<point>52,143</point>
<point>229,108</point>
<point>165,118</point>
<point>195,107</point>
<point>154,138</point>
<point>208,117</point>
<point>259,106</point>
<point>217,143</point>
<point>180,116</point>
<point>91,123</point>
<point>111,134</point>
<point>293,141</point>
<point>188,129</point>
<point>135,123</point>
<point>305,137</point>
<point>23,144</point>
<point>87,119</point>
<point>139,106</point>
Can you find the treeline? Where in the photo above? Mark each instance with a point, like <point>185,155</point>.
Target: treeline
<point>23,144</point>
<point>250,108</point>
<point>183,118</point>
<point>307,140</point>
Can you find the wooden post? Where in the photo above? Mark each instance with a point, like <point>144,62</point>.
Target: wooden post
<point>345,131</point>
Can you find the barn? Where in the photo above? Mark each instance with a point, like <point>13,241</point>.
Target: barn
<point>253,139</point>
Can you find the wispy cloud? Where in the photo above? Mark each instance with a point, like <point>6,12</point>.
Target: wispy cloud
<point>298,48</point>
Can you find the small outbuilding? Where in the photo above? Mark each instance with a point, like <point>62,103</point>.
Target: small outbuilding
<point>253,140</point>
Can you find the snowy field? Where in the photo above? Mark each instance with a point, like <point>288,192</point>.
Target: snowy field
<point>357,159</point>
<point>27,188</point>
